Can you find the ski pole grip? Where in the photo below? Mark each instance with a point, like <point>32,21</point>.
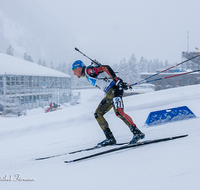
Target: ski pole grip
<point>76,49</point>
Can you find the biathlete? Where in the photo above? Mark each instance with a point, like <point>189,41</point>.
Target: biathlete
<point>104,77</point>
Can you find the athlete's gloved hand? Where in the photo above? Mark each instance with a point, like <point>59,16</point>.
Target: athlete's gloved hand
<point>119,82</point>
<point>130,87</point>
<point>124,86</point>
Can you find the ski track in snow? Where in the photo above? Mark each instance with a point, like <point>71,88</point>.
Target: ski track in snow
<point>167,165</point>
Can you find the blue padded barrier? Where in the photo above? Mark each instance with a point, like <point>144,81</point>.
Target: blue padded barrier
<point>169,115</point>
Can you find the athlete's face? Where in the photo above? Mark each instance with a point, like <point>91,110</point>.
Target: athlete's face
<point>77,72</point>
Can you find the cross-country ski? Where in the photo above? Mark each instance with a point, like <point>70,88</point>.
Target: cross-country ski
<point>128,146</point>
<point>76,151</point>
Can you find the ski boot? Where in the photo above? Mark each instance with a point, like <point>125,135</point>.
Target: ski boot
<point>110,139</point>
<point>137,135</point>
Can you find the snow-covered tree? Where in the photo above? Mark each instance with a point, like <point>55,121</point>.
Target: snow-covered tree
<point>156,65</point>
<point>64,67</point>
<point>10,50</point>
<point>28,57</point>
<point>59,67</point>
<point>115,67</point>
<point>151,68</point>
<point>123,70</point>
<point>39,62</point>
<point>44,63</point>
<point>143,65</point>
<point>51,65</point>
<point>166,65</point>
<point>133,71</point>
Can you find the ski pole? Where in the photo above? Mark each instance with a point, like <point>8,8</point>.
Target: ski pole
<point>171,76</point>
<point>163,71</point>
<point>93,61</point>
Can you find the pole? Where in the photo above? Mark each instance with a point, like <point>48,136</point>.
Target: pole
<point>188,41</point>
<point>163,71</point>
<point>171,76</point>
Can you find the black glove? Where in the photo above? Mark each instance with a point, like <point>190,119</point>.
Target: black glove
<point>119,82</point>
<point>124,86</point>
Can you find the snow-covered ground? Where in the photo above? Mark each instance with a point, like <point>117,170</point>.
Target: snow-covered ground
<point>172,165</point>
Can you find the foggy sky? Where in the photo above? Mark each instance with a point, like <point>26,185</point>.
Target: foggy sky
<point>110,30</point>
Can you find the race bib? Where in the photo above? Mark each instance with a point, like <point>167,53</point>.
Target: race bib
<point>117,101</point>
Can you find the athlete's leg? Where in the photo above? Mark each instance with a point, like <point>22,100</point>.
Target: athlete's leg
<point>104,106</point>
<point>118,107</point>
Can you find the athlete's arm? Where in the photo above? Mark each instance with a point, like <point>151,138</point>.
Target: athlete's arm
<point>109,71</point>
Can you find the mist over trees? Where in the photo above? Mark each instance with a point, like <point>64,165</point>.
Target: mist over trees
<point>26,27</point>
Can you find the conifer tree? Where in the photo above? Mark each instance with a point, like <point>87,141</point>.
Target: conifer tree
<point>150,67</point>
<point>10,51</point>
<point>59,67</point>
<point>51,65</point>
<point>166,64</point>
<point>39,62</point>
<point>143,65</point>
<point>115,67</point>
<point>133,71</point>
<point>123,70</point>
<point>44,63</point>
<point>64,67</point>
<point>27,57</point>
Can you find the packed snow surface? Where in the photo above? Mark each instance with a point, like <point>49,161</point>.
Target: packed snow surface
<point>171,165</point>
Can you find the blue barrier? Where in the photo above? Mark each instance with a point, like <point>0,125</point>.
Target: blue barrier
<point>169,115</point>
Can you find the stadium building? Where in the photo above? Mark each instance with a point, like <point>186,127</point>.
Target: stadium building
<point>30,85</point>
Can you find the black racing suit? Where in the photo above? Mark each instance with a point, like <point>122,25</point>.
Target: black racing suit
<point>113,97</point>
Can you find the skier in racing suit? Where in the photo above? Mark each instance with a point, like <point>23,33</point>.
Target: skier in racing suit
<point>104,78</point>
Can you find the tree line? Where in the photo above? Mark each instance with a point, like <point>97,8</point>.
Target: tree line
<point>129,70</point>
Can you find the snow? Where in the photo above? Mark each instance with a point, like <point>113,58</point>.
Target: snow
<point>8,65</point>
<point>168,165</point>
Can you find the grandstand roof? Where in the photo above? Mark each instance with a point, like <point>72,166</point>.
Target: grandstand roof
<point>15,66</point>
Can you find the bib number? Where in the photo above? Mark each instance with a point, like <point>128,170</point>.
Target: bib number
<point>117,101</point>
